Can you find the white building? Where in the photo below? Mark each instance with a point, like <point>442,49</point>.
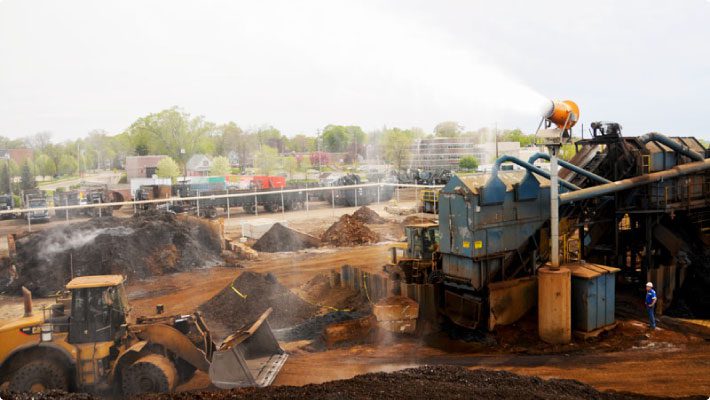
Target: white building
<point>445,153</point>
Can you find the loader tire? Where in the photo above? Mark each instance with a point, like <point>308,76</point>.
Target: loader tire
<point>40,376</point>
<point>150,374</point>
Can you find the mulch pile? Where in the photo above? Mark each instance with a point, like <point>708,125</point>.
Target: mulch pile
<point>280,238</point>
<point>367,216</point>
<point>349,231</point>
<point>429,382</point>
<point>439,382</point>
<point>138,247</point>
<point>339,304</point>
<point>262,291</point>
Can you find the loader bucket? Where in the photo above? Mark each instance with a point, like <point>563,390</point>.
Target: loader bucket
<point>249,357</point>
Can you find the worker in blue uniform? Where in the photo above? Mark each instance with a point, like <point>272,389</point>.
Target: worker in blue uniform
<point>651,304</point>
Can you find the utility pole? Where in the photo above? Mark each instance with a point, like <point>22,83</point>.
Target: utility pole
<point>495,132</point>
<point>318,154</point>
<point>78,159</point>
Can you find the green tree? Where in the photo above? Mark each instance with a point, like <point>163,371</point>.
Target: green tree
<point>14,168</point>
<point>7,143</point>
<point>339,138</point>
<point>271,137</point>
<point>220,166</point>
<point>232,138</point>
<point>27,178</point>
<point>67,165</point>
<point>227,138</point>
<point>40,141</point>
<point>266,160</point>
<point>516,135</point>
<point>303,163</point>
<point>142,149</point>
<point>301,144</point>
<point>289,165</point>
<point>468,163</point>
<point>5,186</point>
<point>567,151</point>
<point>448,129</point>
<point>174,133</point>
<point>167,168</point>
<point>45,165</point>
<point>335,138</point>
<point>397,147</point>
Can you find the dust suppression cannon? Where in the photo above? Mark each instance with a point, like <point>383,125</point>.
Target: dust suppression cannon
<point>564,114</point>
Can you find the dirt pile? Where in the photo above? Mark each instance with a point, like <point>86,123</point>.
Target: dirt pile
<point>423,383</point>
<point>280,238</point>
<point>248,296</point>
<point>138,247</point>
<point>367,216</point>
<point>349,231</point>
<point>319,290</point>
<point>338,303</point>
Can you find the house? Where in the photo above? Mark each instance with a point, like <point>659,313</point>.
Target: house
<point>142,166</point>
<point>19,156</point>
<point>233,159</point>
<point>199,165</point>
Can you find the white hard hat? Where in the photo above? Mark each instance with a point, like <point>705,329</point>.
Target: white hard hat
<point>649,284</point>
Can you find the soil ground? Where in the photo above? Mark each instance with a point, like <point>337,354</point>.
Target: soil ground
<point>630,359</point>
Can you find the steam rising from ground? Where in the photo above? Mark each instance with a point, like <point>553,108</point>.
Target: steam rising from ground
<point>58,241</point>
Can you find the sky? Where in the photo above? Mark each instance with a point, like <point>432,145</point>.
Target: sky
<point>70,67</point>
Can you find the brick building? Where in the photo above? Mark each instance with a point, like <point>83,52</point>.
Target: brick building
<point>142,166</point>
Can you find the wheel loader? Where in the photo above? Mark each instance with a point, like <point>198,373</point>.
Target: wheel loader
<point>88,341</point>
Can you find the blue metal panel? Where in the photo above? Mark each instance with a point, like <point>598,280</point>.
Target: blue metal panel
<point>593,301</point>
<point>610,298</point>
<point>600,305</point>
<point>462,267</point>
<point>528,189</point>
<point>493,192</point>
<point>583,297</point>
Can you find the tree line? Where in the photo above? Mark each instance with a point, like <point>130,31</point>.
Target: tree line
<point>175,133</point>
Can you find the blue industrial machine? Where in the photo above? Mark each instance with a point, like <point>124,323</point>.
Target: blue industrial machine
<point>494,228</point>
<point>491,231</point>
<point>640,204</point>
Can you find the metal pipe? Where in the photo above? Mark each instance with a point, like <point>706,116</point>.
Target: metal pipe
<point>596,191</point>
<point>569,166</point>
<point>682,149</point>
<point>27,299</point>
<point>533,169</point>
<point>554,213</point>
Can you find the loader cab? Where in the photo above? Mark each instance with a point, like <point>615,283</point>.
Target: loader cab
<point>422,240</point>
<point>99,308</point>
